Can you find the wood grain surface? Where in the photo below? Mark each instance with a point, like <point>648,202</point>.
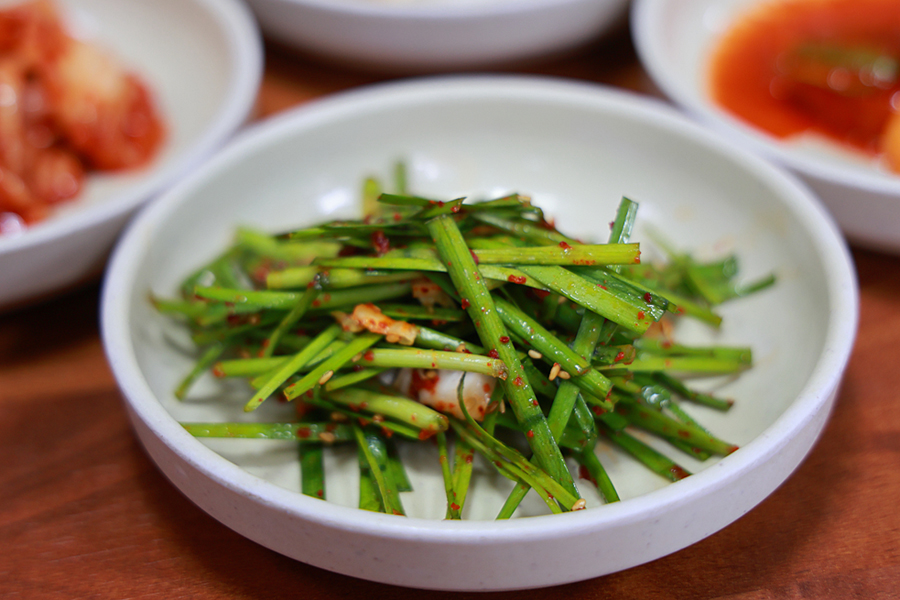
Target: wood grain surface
<point>85,514</point>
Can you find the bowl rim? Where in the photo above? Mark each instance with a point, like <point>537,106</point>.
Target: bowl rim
<point>646,18</point>
<point>814,396</point>
<point>437,11</point>
<point>245,47</point>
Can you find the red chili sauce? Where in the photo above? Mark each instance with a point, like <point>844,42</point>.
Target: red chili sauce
<point>826,66</point>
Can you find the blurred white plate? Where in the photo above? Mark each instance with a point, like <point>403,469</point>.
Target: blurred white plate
<point>426,35</point>
<point>202,60</point>
<point>675,40</point>
<point>576,149</point>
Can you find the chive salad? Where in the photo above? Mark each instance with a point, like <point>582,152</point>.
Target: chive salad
<point>475,326</point>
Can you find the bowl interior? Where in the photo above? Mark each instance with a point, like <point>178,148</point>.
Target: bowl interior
<point>676,41</point>
<point>576,150</point>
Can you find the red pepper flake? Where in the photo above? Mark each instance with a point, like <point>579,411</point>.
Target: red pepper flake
<point>648,298</point>
<point>464,303</point>
<point>455,208</point>
<point>493,353</point>
<point>303,433</point>
<point>584,473</point>
<point>535,402</point>
<point>520,279</point>
<point>320,493</point>
<point>619,356</point>
<point>261,273</point>
<point>454,505</point>
<point>397,216</point>
<point>541,294</point>
<point>640,315</point>
<point>469,459</point>
<point>424,434</point>
<point>217,371</point>
<point>678,473</point>
<point>602,287</point>
<point>504,339</point>
<point>530,433</point>
<point>598,410</point>
<point>518,381</point>
<point>369,355</point>
<point>380,242</point>
<point>474,256</point>
<point>317,303</point>
<point>565,246</point>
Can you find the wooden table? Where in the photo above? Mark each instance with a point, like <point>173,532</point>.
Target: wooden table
<point>85,514</point>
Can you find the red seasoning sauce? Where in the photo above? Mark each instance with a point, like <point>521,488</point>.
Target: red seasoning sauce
<point>830,67</point>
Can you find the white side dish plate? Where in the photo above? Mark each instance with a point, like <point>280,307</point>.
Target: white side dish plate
<point>432,35</point>
<point>675,41</point>
<point>202,61</point>
<point>576,149</point>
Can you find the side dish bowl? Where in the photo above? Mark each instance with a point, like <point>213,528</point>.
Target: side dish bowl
<point>675,41</point>
<point>576,149</point>
<point>431,35</point>
<point>203,73</point>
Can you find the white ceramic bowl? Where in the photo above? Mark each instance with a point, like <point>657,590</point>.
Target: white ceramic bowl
<point>202,60</point>
<point>428,35</point>
<point>675,40</point>
<point>577,148</point>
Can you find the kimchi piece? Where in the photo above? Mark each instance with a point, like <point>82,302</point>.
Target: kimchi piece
<point>66,109</point>
<point>830,67</point>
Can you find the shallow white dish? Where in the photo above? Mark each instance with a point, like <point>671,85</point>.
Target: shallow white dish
<point>576,148</point>
<point>675,40</point>
<point>204,72</point>
<point>426,35</point>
